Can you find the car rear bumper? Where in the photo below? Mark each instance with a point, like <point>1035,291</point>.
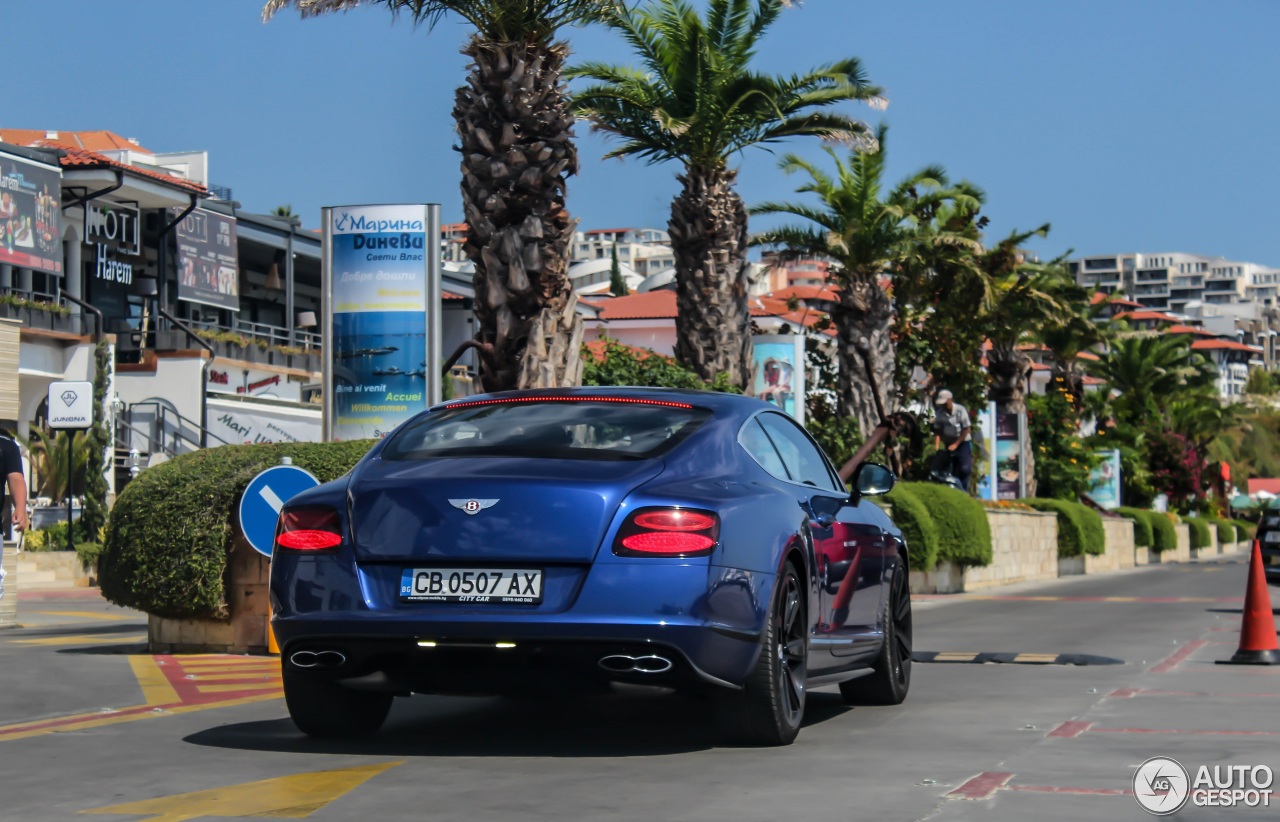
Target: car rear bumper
<point>703,620</point>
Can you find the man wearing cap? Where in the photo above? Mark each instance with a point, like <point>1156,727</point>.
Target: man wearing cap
<point>951,427</point>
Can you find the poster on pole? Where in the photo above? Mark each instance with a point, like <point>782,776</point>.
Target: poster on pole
<point>984,456</point>
<point>1009,478</point>
<point>777,372</point>
<point>1105,480</point>
<point>382,317</point>
<point>30,214</point>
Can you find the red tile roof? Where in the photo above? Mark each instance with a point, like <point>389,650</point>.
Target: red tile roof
<point>76,157</point>
<point>1099,297</point>
<point>1146,315</point>
<point>449,295</point>
<point>1229,345</point>
<point>596,349</point>
<point>1189,329</point>
<point>806,292</point>
<point>90,140</point>
<point>1087,355</point>
<point>1094,381</point>
<point>607,231</point>
<point>1271,486</point>
<point>647,306</point>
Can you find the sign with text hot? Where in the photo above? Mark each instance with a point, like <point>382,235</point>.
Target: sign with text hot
<point>377,294</point>
<point>208,271</point>
<point>30,214</point>
<point>112,230</point>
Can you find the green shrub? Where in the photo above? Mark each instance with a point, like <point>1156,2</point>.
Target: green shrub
<point>1164,536</point>
<point>964,534</point>
<point>1201,535</point>
<point>1080,529</point>
<point>918,528</point>
<point>54,537</point>
<point>1244,530</point>
<point>1226,531</point>
<point>88,553</point>
<point>1141,525</point>
<point>170,533</point>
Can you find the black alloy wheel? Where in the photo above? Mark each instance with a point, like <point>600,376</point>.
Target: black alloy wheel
<point>770,707</point>
<point>891,677</point>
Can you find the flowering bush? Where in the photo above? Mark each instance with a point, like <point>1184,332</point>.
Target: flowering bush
<point>1063,462</point>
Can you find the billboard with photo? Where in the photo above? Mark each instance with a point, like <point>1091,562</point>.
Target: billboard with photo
<point>30,214</point>
<point>208,270</point>
<point>382,317</point>
<point>1105,480</point>
<point>777,372</point>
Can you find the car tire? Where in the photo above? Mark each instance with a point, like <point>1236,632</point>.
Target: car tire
<point>890,679</point>
<point>322,708</point>
<point>770,707</point>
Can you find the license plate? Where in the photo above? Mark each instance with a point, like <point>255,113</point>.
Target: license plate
<point>500,586</point>
<point>1272,536</point>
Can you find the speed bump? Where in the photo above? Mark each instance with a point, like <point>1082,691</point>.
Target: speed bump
<point>1013,659</point>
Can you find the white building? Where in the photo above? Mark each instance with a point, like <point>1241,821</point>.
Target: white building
<point>1169,281</point>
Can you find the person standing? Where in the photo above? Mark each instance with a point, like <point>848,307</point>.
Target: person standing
<point>11,464</point>
<point>953,431</point>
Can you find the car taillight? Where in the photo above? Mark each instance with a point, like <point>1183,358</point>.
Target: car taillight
<point>668,532</point>
<point>309,529</point>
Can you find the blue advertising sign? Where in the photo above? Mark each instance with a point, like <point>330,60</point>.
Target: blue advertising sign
<point>263,498</point>
<point>777,372</point>
<point>380,297</point>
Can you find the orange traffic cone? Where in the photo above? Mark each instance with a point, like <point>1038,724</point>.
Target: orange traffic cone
<point>1258,645</point>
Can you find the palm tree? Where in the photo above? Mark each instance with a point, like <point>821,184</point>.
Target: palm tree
<point>870,235</point>
<point>1072,331</point>
<point>1151,370</point>
<point>697,101</point>
<point>515,135</point>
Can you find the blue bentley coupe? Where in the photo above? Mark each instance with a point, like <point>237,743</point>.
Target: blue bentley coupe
<point>680,539</point>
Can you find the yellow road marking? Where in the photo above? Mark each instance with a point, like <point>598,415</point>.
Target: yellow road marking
<point>87,615</point>
<point>285,797</point>
<point>1122,599</point>
<point>954,656</point>
<point>243,686</point>
<point>1036,658</point>
<point>86,639</point>
<point>156,689</point>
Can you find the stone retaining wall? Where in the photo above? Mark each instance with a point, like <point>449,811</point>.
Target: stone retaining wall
<point>9,602</point>
<point>1024,548</point>
<point>64,565</point>
<point>244,632</point>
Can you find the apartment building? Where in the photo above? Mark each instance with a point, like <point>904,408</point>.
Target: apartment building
<point>1174,281</point>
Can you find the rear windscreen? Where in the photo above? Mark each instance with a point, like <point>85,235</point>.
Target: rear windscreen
<point>556,429</point>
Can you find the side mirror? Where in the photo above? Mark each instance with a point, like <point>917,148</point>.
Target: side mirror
<point>873,480</point>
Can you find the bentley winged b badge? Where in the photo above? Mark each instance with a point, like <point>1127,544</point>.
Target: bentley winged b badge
<point>473,506</point>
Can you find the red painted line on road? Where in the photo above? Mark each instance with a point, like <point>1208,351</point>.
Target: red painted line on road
<point>1072,791</point>
<point>59,593</point>
<point>1180,731</point>
<point>1172,661</point>
<point>9,730</point>
<point>1070,730</point>
<point>1124,693</point>
<point>1145,692</point>
<point>982,786</point>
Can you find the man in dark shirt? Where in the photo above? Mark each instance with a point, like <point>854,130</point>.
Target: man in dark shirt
<point>952,428</point>
<point>11,464</point>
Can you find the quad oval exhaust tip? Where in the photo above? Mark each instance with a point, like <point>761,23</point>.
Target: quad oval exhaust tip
<point>628,664</point>
<point>317,659</point>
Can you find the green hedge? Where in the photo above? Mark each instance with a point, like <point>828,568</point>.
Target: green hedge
<point>170,533</point>
<point>1142,536</point>
<point>1244,530</point>
<point>1080,529</point>
<point>1201,535</point>
<point>1164,535</point>
<point>1226,531</point>
<point>963,532</point>
<point>918,528</point>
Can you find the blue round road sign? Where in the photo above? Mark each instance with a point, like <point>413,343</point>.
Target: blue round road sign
<point>263,498</point>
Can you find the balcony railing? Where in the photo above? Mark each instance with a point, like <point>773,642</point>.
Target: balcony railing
<point>47,312</point>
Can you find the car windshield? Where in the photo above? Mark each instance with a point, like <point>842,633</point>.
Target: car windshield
<point>562,429</point>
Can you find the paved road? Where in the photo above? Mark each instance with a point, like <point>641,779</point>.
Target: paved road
<point>1010,741</point>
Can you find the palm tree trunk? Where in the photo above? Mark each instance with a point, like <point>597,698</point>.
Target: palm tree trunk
<point>865,312</point>
<point>517,151</point>
<point>709,241</point>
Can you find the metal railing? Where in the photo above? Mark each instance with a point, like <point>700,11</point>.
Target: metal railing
<point>271,334</point>
<point>152,427</point>
<point>72,321</point>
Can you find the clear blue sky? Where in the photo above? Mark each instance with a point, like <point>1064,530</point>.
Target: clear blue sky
<point>1128,125</point>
